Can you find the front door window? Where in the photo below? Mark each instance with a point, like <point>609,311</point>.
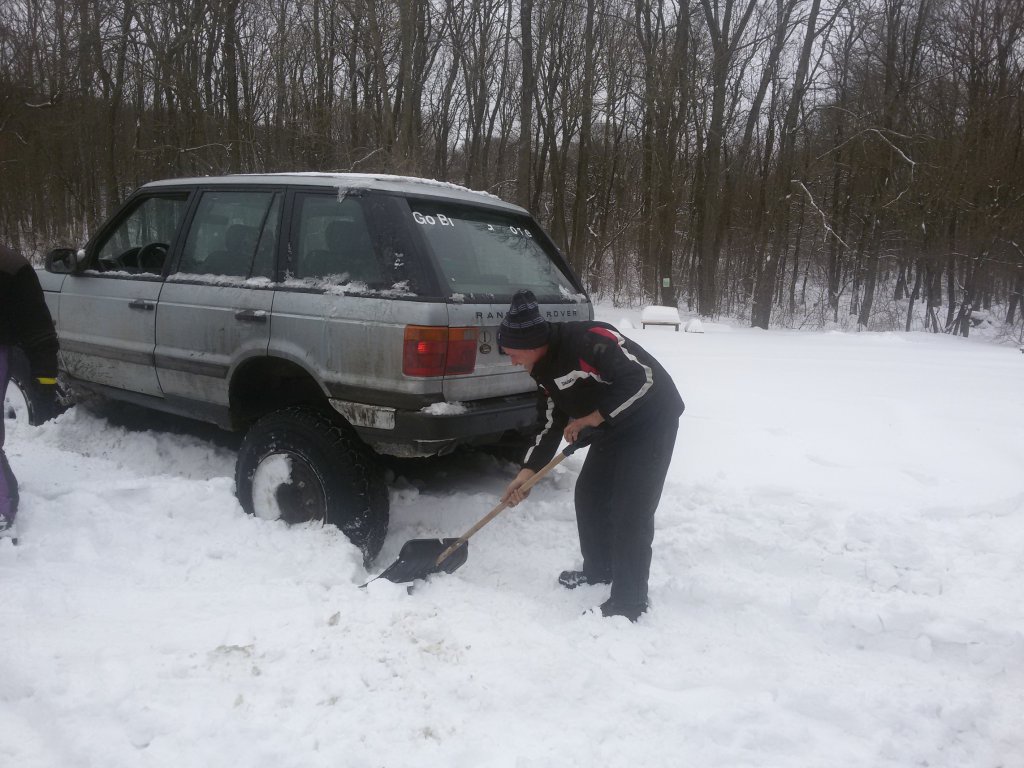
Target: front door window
<point>140,242</point>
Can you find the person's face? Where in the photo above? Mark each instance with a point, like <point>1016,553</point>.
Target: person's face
<point>527,358</point>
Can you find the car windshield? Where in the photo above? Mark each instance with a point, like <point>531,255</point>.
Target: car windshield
<point>480,251</point>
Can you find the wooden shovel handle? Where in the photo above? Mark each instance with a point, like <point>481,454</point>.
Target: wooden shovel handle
<point>498,509</point>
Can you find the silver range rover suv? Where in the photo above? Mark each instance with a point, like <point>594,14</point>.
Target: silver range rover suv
<point>329,317</point>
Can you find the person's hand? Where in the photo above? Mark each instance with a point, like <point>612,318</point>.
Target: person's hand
<point>513,495</point>
<point>572,430</point>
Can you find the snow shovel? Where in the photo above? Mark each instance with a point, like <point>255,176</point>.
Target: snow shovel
<point>419,558</point>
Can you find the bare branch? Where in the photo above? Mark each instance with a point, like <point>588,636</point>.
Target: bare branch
<point>814,205</point>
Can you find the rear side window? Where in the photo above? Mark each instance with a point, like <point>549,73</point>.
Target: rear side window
<point>353,244</point>
<point>333,242</point>
<point>231,231</point>
<point>480,251</point>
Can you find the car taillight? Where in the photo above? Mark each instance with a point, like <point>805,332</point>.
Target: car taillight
<point>438,351</point>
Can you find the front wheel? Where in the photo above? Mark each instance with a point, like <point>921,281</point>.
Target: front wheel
<point>17,406</point>
<point>24,400</point>
<point>300,465</point>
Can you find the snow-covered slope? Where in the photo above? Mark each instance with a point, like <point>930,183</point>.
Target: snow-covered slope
<point>836,582</point>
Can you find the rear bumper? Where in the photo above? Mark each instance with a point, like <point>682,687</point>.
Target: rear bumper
<point>440,429</point>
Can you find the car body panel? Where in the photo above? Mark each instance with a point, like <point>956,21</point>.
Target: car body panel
<point>107,330</point>
<point>203,331</point>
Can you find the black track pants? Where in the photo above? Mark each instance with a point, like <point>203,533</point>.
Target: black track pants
<point>617,493</point>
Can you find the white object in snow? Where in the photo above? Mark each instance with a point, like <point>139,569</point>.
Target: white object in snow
<point>660,316</point>
<point>445,409</point>
<point>694,325</point>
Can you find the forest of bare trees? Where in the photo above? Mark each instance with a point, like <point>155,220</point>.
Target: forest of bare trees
<point>849,163</point>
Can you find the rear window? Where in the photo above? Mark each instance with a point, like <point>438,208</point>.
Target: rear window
<point>480,251</point>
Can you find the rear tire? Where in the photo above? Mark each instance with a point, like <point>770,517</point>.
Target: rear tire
<point>300,464</point>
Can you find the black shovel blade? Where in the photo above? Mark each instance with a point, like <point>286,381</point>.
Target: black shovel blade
<point>418,559</point>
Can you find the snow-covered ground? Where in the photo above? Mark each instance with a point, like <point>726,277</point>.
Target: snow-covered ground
<point>836,582</point>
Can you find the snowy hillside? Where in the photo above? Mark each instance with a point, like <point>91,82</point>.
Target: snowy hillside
<point>836,582</point>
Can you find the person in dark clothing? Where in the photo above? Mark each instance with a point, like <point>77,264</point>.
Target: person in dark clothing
<point>590,375</point>
<point>25,322</point>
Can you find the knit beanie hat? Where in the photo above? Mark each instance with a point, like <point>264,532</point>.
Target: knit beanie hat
<point>523,327</point>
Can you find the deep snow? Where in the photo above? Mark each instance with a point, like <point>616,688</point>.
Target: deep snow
<point>836,582</point>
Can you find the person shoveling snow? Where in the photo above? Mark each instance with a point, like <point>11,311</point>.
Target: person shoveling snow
<point>592,376</point>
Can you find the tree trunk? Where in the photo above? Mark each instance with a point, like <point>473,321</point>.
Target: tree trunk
<point>725,40</point>
<point>914,294</point>
<point>231,83</point>
<point>1016,295</point>
<point>870,279</point>
<point>526,96</point>
<point>760,314</point>
<point>580,206</point>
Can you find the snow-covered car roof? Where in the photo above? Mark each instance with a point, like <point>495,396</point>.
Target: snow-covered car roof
<point>376,181</point>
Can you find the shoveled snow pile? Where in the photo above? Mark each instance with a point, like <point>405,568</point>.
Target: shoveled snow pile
<point>836,582</point>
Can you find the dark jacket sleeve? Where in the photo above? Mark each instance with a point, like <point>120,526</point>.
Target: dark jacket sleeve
<point>29,319</point>
<point>629,380</point>
<point>553,421</point>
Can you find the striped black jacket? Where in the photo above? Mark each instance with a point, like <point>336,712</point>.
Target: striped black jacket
<point>24,319</point>
<point>591,366</point>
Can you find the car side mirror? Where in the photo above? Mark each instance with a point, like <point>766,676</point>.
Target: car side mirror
<point>62,261</point>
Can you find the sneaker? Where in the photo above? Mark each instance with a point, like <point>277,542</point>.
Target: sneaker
<point>631,611</point>
<point>573,579</point>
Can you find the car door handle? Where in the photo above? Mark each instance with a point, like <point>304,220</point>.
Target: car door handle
<point>251,315</point>
<point>141,304</point>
